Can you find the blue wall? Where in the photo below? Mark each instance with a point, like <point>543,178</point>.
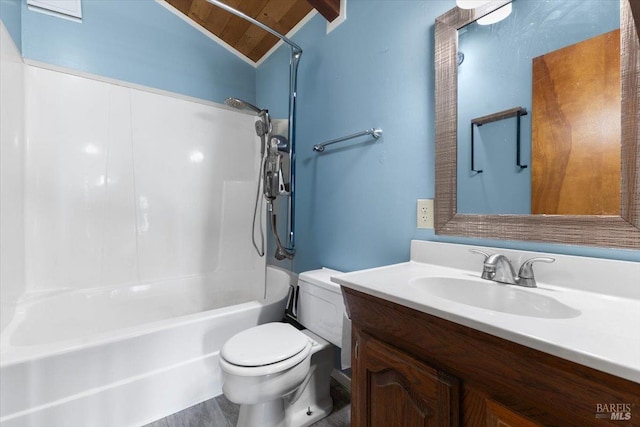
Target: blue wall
<point>496,75</point>
<point>10,14</point>
<point>140,42</point>
<point>356,203</point>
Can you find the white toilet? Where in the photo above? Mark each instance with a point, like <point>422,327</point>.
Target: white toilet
<point>280,375</point>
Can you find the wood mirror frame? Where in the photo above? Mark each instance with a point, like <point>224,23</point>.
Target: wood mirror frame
<point>621,231</point>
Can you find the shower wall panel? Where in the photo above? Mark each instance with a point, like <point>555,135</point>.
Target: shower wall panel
<point>11,176</point>
<point>125,185</point>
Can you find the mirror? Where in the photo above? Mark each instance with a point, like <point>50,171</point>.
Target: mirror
<point>620,229</point>
<point>571,50</point>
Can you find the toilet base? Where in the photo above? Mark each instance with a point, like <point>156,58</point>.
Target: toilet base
<point>313,403</point>
<point>263,414</point>
<point>307,416</point>
<point>273,414</point>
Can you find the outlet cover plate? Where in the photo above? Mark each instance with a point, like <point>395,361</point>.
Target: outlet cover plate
<point>425,213</point>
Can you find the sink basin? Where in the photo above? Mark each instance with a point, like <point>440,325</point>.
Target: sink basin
<point>493,296</point>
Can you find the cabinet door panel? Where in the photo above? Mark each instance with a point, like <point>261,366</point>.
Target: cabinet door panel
<point>394,389</point>
<point>499,416</point>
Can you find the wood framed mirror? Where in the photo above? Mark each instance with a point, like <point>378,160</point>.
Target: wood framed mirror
<point>613,231</point>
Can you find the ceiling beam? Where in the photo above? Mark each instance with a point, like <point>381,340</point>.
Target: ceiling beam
<point>330,9</point>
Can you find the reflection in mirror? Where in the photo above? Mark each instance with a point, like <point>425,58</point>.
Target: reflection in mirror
<point>621,230</point>
<point>560,61</point>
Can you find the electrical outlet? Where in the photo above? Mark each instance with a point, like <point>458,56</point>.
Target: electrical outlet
<point>425,213</point>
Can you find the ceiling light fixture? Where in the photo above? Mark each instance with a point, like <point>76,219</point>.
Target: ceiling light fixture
<point>497,15</point>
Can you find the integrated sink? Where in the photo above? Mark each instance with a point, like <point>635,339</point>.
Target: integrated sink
<point>585,310</point>
<point>493,296</point>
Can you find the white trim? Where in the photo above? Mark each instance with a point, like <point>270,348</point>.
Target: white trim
<point>204,31</point>
<point>62,9</point>
<point>129,85</point>
<point>290,34</point>
<point>53,13</point>
<point>340,19</point>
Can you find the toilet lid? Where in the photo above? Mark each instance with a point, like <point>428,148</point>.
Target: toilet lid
<point>264,345</point>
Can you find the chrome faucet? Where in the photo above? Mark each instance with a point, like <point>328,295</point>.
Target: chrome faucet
<point>498,268</point>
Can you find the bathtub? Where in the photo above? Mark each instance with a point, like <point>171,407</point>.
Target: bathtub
<point>124,356</point>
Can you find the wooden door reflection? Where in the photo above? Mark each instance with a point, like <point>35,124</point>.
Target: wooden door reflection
<point>576,129</point>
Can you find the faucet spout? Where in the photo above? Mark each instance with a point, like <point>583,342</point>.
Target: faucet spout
<point>498,268</point>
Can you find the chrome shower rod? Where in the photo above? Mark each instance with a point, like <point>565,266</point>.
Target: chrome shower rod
<point>295,47</point>
<point>376,133</point>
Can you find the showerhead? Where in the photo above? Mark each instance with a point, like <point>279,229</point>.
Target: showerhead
<point>241,105</point>
<point>262,126</point>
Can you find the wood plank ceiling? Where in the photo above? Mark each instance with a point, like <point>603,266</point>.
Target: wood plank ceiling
<point>248,39</point>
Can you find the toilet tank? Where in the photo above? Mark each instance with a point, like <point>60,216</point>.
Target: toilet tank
<point>320,304</point>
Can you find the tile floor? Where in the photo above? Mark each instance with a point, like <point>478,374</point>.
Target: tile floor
<point>220,412</point>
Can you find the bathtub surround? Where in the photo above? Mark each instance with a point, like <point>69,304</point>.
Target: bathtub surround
<point>128,186</point>
<point>12,146</point>
<point>137,207</point>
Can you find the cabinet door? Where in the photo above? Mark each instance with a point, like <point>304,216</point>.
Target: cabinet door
<point>480,410</point>
<point>392,388</point>
<point>499,416</point>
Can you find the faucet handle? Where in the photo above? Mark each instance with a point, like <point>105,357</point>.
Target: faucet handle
<point>488,272</point>
<point>479,252</point>
<point>525,275</point>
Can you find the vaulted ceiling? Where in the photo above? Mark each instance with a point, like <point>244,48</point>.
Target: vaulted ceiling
<point>246,38</point>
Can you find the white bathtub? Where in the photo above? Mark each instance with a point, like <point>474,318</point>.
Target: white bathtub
<point>122,357</point>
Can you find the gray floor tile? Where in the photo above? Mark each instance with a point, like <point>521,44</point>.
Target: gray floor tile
<point>337,418</point>
<point>205,414</point>
<point>159,423</point>
<point>341,414</point>
<point>229,409</point>
<point>220,412</point>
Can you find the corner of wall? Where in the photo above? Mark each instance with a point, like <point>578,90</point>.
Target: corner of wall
<point>11,18</point>
<point>12,282</point>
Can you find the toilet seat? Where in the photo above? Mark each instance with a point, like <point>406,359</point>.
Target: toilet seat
<point>279,346</point>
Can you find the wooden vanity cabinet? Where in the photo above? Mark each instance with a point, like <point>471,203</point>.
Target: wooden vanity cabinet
<point>414,369</point>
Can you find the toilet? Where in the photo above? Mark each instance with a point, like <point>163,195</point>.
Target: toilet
<point>280,375</point>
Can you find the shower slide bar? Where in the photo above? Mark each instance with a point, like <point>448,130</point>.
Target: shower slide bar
<point>376,133</point>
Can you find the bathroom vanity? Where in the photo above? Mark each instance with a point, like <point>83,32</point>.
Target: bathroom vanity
<point>570,356</point>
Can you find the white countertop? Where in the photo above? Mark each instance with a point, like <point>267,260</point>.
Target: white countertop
<point>604,336</point>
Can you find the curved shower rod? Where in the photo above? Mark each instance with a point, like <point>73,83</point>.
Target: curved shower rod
<point>295,47</point>
<point>296,53</point>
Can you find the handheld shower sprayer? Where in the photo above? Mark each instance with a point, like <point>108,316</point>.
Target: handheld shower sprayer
<point>241,105</point>
<point>263,126</point>
<point>271,180</point>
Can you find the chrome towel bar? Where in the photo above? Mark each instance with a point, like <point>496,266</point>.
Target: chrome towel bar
<point>376,133</point>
